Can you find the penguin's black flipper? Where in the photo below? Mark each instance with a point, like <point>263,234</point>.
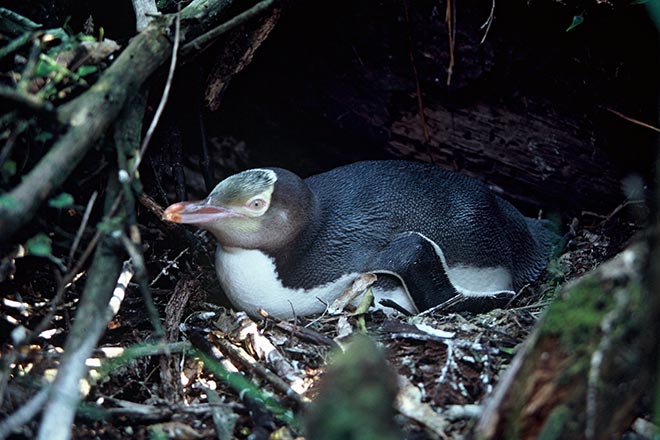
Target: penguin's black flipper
<point>414,261</point>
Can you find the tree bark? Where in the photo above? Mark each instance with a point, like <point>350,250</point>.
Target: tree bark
<point>584,368</point>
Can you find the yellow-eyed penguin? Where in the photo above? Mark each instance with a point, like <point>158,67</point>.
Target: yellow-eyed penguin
<point>290,245</point>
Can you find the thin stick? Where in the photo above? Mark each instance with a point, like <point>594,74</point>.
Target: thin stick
<point>251,363</point>
<point>140,271</point>
<point>451,33</point>
<point>454,300</point>
<point>633,120</point>
<point>20,127</point>
<point>26,100</point>
<point>204,40</point>
<point>83,225</point>
<point>163,98</point>
<point>488,22</point>
<point>418,87</point>
<point>164,270</point>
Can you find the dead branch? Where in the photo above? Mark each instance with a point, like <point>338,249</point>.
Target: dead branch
<point>26,100</point>
<point>264,349</point>
<point>88,116</point>
<point>145,10</point>
<point>203,41</point>
<point>251,363</point>
<point>91,320</point>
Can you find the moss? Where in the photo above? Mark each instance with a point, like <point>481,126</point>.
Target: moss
<point>553,428</point>
<point>356,397</point>
<point>576,318</point>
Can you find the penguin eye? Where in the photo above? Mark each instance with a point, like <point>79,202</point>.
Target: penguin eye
<point>256,204</point>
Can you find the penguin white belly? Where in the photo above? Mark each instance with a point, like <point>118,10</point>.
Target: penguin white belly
<point>480,281</point>
<point>250,281</point>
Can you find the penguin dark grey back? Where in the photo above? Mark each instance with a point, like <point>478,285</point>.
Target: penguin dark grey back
<point>289,245</point>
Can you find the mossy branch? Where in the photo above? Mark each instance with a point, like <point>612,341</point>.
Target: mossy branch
<point>88,116</point>
<point>567,380</point>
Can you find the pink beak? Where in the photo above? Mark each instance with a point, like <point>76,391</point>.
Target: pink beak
<point>197,212</point>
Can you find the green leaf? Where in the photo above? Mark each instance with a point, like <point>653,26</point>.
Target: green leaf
<point>86,70</point>
<point>577,21</point>
<point>44,137</point>
<point>39,245</point>
<point>8,169</point>
<point>508,350</point>
<point>63,200</point>
<point>45,68</point>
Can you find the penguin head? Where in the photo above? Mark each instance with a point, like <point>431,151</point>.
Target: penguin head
<point>255,209</point>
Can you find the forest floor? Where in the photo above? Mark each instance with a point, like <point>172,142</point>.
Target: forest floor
<point>447,363</point>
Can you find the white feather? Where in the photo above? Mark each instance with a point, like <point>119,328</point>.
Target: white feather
<point>250,281</point>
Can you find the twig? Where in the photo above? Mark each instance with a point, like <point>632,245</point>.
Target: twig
<point>246,390</point>
<point>264,349</point>
<point>450,18</point>
<point>148,202</point>
<point>15,44</point>
<point>26,100</point>
<point>83,225</point>
<point>205,157</point>
<point>31,66</point>
<point>7,364</point>
<point>203,41</point>
<point>454,300</point>
<point>251,363</point>
<point>152,413</point>
<point>163,98</point>
<point>467,411</point>
<point>538,305</point>
<point>608,217</point>
<point>633,120</point>
<point>305,333</point>
<point>11,142</point>
<point>137,261</point>
<point>489,21</point>
<point>420,102</point>
<point>224,418</point>
<point>164,270</point>
<point>449,362</point>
